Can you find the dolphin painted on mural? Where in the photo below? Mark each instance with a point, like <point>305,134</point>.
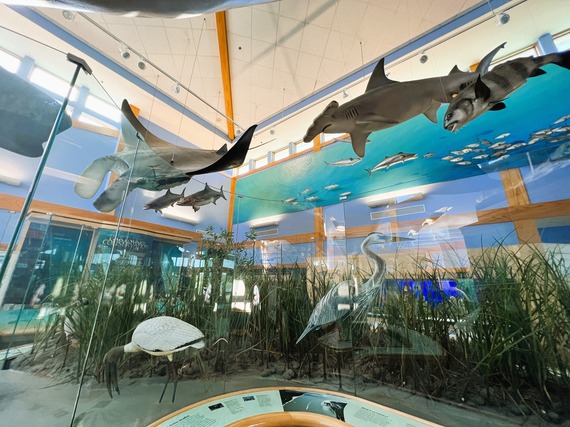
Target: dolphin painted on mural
<point>392,160</point>
<point>26,116</point>
<point>491,89</point>
<point>167,199</point>
<point>202,198</point>
<point>150,163</point>
<point>386,103</point>
<point>144,8</point>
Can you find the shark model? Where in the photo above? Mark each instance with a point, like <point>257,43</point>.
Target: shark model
<point>202,198</point>
<point>145,8</point>
<point>151,163</point>
<point>491,89</point>
<point>26,116</point>
<point>386,103</point>
<point>167,199</point>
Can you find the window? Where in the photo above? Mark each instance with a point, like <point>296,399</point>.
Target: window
<point>262,161</point>
<point>52,83</point>
<point>103,108</point>
<point>281,154</point>
<point>562,42</point>
<point>531,51</point>
<point>243,169</point>
<point>9,61</point>
<point>302,146</point>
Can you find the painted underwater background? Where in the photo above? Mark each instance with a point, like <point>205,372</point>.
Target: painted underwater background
<point>532,109</point>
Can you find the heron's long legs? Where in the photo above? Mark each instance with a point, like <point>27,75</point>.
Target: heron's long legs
<point>167,381</point>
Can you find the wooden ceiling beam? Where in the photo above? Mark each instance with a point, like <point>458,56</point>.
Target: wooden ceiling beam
<point>225,64</point>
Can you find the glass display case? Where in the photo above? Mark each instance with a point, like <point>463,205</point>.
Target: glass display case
<point>377,287</point>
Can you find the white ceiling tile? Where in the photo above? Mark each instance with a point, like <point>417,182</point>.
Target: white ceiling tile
<point>261,77</point>
<point>240,48</point>
<point>262,53</point>
<point>349,16</point>
<point>321,12</point>
<point>294,9</point>
<point>268,7</point>
<point>289,32</point>
<point>265,27</point>
<point>308,65</point>
<point>127,33</point>
<point>180,40</point>
<point>238,21</point>
<point>286,59</point>
<point>154,39</point>
<point>314,39</point>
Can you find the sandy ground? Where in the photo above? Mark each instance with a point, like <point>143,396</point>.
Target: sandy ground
<point>27,399</point>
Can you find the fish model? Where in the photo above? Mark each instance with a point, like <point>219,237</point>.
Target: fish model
<point>202,198</point>
<point>436,215</point>
<point>151,163</point>
<point>330,187</point>
<point>345,162</point>
<point>164,201</point>
<point>386,103</point>
<point>145,8</point>
<point>306,191</point>
<point>490,90</point>
<point>392,160</point>
<point>26,116</point>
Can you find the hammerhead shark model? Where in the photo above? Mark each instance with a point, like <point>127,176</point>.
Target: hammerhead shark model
<point>386,103</point>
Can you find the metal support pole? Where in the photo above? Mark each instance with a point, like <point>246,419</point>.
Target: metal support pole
<point>80,64</point>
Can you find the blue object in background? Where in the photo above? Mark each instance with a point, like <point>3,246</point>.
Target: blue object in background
<point>432,293</point>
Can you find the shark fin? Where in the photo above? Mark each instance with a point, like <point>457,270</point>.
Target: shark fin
<point>431,112</point>
<point>93,175</point>
<point>182,194</point>
<point>196,208</point>
<point>483,66</point>
<point>359,142</point>
<point>222,192</point>
<point>482,91</point>
<point>498,106</point>
<point>321,122</point>
<point>223,150</point>
<point>537,72</point>
<point>455,70</point>
<point>378,77</point>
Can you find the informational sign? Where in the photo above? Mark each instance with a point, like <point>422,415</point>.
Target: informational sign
<point>242,405</point>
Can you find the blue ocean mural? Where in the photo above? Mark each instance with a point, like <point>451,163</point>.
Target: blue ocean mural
<point>534,129</point>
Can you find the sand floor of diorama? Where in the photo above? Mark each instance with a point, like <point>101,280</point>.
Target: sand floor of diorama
<point>26,399</point>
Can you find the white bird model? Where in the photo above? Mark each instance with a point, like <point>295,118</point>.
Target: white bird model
<point>159,336</point>
<point>327,310</point>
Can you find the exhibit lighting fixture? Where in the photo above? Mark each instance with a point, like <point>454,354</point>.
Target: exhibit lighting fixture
<point>141,64</point>
<point>345,94</point>
<point>68,14</point>
<point>125,52</point>
<point>503,19</point>
<point>272,130</point>
<point>176,88</point>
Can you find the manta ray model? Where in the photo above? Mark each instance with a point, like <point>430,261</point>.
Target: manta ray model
<point>147,8</point>
<point>202,198</point>
<point>151,163</point>
<point>490,90</point>
<point>386,103</point>
<point>26,116</point>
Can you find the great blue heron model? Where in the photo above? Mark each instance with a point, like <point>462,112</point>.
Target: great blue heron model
<point>159,336</point>
<point>327,310</point>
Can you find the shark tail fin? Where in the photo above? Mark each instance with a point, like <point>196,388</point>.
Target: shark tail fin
<point>222,192</point>
<point>369,172</point>
<point>93,175</point>
<point>321,122</point>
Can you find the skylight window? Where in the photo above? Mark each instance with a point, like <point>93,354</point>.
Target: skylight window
<point>281,154</point>
<point>262,161</point>
<point>52,83</point>
<point>302,146</point>
<point>562,42</point>
<point>103,108</point>
<point>9,61</point>
<point>243,169</point>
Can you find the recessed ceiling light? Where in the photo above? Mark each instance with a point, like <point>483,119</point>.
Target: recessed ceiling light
<point>141,64</point>
<point>68,14</point>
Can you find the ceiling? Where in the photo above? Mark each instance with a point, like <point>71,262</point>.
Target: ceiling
<point>280,54</point>
<point>287,59</point>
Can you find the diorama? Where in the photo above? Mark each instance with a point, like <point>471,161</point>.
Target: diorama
<point>389,249</point>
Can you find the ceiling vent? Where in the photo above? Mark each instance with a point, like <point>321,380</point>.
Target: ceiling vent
<point>389,213</point>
